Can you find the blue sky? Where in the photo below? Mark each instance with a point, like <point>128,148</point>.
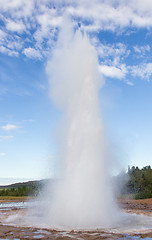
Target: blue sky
<point>121,32</point>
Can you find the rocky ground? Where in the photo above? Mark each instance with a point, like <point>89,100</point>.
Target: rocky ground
<point>129,205</point>
<point>10,232</point>
<point>140,206</point>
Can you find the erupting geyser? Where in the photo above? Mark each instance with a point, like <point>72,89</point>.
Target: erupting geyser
<point>83,199</point>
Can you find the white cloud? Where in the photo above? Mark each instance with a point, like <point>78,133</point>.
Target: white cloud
<point>113,72</point>
<point>9,127</point>
<point>8,51</point>
<point>17,8</point>
<point>15,26</point>
<point>40,23</point>
<point>32,53</point>
<point>2,154</point>
<point>143,71</point>
<point>91,27</point>
<point>129,83</point>
<point>5,138</point>
<point>49,18</point>
<point>10,5</point>
<point>16,44</point>
<point>2,35</point>
<point>112,55</point>
<point>111,15</point>
<point>142,50</point>
<point>113,50</point>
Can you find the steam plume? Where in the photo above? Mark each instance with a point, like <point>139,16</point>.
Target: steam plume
<point>84,197</point>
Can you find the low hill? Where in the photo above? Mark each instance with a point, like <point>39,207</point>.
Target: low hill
<point>30,188</point>
<point>27,184</point>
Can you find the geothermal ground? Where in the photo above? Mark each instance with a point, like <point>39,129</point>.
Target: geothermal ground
<point>10,208</point>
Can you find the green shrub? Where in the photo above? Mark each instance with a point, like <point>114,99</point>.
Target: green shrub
<point>143,195</point>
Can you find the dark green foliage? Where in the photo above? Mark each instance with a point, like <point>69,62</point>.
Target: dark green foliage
<point>140,182</point>
<point>31,188</point>
<point>21,189</point>
<point>18,192</point>
<point>143,195</point>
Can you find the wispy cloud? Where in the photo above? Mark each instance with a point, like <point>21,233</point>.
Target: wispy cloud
<point>142,49</point>
<point>28,120</point>
<point>142,52</point>
<point>31,28</point>
<point>113,72</point>
<point>2,35</point>
<point>32,53</point>
<point>6,137</point>
<point>143,71</point>
<point>6,50</point>
<point>18,27</point>
<point>9,127</point>
<point>2,154</point>
<point>129,83</point>
<point>40,21</point>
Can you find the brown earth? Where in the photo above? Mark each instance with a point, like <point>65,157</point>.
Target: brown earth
<point>11,232</point>
<point>140,206</point>
<point>129,205</point>
<point>14,199</point>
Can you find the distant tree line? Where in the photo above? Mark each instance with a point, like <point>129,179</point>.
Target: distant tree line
<point>140,182</point>
<point>20,191</point>
<point>24,189</point>
<point>137,182</point>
